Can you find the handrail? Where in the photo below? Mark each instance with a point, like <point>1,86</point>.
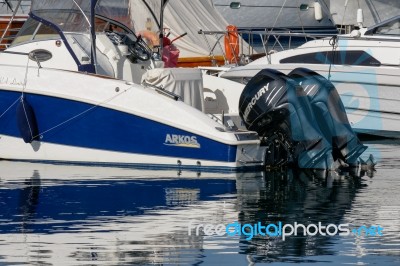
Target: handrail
<point>162,91</point>
<point>7,40</point>
<point>274,36</point>
<point>282,33</point>
<point>217,42</point>
<point>12,52</point>
<point>264,35</point>
<point>11,20</point>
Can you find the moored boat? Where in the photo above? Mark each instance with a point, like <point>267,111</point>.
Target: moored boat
<point>363,66</point>
<point>63,101</point>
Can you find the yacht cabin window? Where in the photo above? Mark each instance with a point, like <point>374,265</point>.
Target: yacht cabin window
<point>392,28</point>
<point>354,58</point>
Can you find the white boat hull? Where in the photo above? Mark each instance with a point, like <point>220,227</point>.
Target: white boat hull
<point>14,148</point>
<point>88,119</point>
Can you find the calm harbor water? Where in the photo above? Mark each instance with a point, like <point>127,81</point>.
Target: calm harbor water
<point>72,215</point>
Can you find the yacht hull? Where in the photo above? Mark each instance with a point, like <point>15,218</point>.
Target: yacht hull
<point>87,119</point>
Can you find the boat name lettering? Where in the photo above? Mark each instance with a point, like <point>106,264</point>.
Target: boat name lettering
<point>10,81</point>
<point>181,141</point>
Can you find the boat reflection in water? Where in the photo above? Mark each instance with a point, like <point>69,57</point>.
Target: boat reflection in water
<point>289,197</point>
<point>52,214</point>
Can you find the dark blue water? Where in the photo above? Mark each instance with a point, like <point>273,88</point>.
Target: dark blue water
<point>69,215</point>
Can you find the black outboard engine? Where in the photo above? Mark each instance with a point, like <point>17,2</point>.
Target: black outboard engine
<point>330,114</point>
<point>277,108</point>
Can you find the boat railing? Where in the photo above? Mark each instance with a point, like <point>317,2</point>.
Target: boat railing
<point>12,23</point>
<point>258,42</point>
<point>9,36</point>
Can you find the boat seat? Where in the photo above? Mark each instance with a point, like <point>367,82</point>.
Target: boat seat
<point>108,54</point>
<point>185,82</point>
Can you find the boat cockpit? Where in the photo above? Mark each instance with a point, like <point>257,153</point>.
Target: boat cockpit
<point>65,35</point>
<point>63,39</point>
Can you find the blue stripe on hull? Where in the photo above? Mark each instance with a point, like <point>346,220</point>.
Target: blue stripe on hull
<point>106,129</point>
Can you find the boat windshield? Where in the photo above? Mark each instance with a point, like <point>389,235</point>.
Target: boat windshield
<point>116,10</point>
<point>67,15</point>
<point>389,27</point>
<point>71,20</point>
<point>392,28</point>
<point>75,16</point>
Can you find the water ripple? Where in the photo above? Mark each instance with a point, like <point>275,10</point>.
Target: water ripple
<point>70,215</point>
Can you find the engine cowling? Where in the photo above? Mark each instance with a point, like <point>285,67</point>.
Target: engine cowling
<point>330,114</point>
<point>277,108</point>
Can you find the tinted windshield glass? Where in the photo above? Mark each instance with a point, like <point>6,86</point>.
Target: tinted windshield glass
<point>356,58</point>
<point>68,15</point>
<point>74,15</point>
<point>66,20</point>
<point>116,10</point>
<point>391,28</point>
<point>77,5</point>
<point>33,31</point>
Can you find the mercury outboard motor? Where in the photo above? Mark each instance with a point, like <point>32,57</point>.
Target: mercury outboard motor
<point>277,108</point>
<point>330,114</point>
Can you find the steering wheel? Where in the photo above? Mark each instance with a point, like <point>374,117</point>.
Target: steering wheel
<point>115,38</point>
<point>139,49</point>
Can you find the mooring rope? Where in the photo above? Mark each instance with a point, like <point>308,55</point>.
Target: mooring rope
<point>82,113</point>
<point>26,76</point>
<point>18,99</point>
<point>333,42</point>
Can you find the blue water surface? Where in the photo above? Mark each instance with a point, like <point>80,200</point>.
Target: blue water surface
<point>74,215</point>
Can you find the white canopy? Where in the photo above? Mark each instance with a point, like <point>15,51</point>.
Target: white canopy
<point>183,16</point>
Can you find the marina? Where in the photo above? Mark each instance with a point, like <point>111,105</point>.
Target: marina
<point>147,132</point>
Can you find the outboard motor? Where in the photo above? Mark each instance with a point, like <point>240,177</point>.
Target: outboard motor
<point>277,108</point>
<point>330,114</point>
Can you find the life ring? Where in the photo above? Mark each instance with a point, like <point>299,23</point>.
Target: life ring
<point>231,42</point>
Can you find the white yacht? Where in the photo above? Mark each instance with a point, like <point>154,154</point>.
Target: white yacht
<point>364,67</point>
